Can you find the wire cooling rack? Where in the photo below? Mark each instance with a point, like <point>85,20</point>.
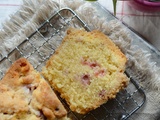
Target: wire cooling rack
<point>41,44</point>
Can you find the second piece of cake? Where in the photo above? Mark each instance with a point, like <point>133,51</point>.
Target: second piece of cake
<point>87,69</point>
<point>25,95</point>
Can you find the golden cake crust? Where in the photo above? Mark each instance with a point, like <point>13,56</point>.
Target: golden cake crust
<point>25,95</point>
<point>87,69</point>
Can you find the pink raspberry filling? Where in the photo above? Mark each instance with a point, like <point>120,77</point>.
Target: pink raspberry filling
<point>95,67</point>
<point>102,94</point>
<point>86,79</point>
<point>89,63</point>
<point>100,73</point>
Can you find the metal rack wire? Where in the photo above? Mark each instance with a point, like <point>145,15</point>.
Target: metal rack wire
<point>41,44</point>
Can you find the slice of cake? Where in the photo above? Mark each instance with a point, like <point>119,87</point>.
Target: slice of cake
<point>87,70</point>
<point>25,95</point>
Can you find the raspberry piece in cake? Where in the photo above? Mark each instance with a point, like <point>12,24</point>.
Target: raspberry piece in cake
<point>86,79</point>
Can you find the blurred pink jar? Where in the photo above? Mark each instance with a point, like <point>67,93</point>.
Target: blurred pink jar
<point>145,5</point>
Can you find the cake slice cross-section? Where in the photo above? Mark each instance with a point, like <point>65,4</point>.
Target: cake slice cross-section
<point>87,69</point>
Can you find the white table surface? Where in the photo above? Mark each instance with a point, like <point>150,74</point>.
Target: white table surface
<point>146,24</point>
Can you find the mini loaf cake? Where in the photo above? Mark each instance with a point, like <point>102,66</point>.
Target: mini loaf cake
<point>25,95</point>
<point>87,70</point>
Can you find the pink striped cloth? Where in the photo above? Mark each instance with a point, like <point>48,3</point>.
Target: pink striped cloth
<point>146,24</point>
